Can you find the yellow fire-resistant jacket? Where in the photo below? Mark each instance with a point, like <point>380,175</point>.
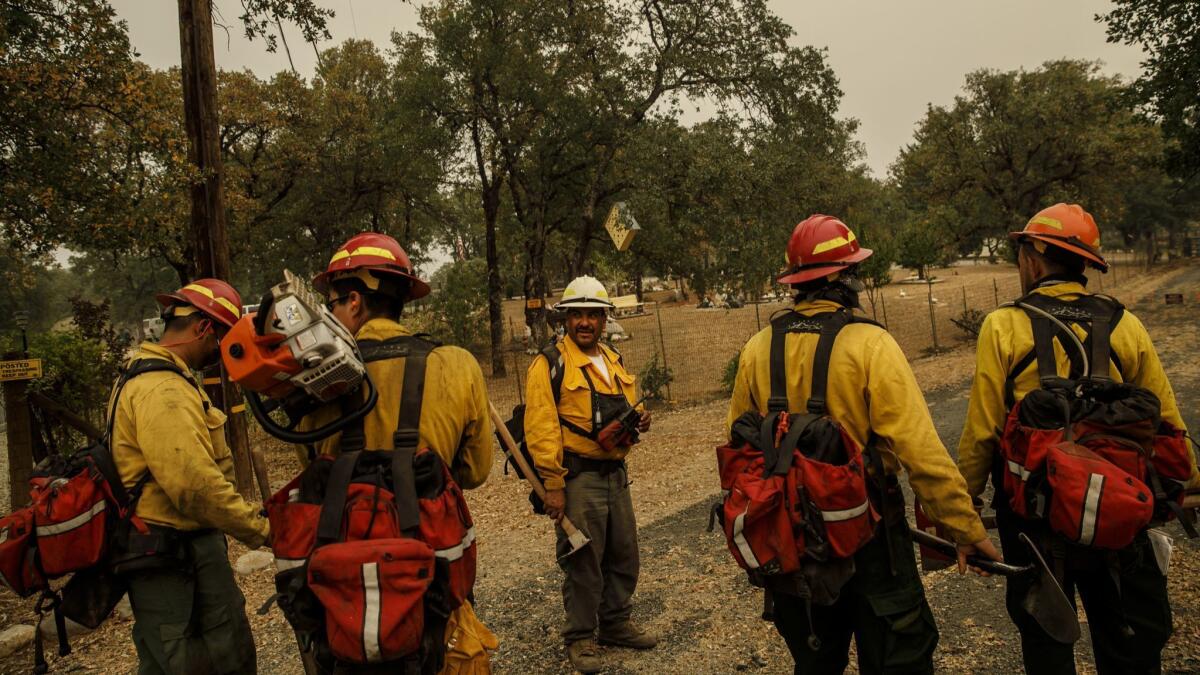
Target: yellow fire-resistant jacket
<point>454,411</point>
<point>166,425</point>
<point>544,435</point>
<point>870,389</point>
<point>1005,337</point>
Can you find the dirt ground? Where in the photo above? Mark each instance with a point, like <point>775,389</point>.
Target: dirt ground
<point>691,591</point>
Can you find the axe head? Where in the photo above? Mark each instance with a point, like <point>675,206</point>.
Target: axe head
<point>576,538</point>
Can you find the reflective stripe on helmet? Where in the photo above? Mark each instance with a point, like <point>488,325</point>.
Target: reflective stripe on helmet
<point>831,244</point>
<point>1046,220</point>
<point>363,250</point>
<point>207,292</point>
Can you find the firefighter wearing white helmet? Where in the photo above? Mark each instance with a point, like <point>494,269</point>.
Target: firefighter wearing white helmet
<point>576,391</point>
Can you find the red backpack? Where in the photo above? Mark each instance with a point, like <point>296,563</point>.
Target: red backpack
<point>79,510</point>
<point>1089,456</point>
<point>375,549</point>
<point>795,507</point>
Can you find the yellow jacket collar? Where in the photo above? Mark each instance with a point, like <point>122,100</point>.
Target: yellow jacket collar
<point>1060,289</point>
<point>153,351</point>
<point>574,359</point>
<point>811,307</point>
<point>381,329</point>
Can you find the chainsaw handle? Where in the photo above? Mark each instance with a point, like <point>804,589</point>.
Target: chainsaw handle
<point>986,564</point>
<point>262,412</point>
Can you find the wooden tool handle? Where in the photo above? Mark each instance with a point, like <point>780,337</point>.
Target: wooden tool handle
<point>510,447</point>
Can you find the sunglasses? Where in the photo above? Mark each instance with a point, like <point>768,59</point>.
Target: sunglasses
<point>335,302</point>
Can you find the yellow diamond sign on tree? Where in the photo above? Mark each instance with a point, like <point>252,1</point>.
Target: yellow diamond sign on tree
<point>621,226</point>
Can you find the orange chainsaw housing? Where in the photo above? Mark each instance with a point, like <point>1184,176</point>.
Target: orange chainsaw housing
<point>260,363</point>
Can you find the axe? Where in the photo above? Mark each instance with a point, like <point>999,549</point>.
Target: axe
<point>1046,602</point>
<point>577,539</point>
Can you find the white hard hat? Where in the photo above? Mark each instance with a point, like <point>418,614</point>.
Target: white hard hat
<point>584,292</point>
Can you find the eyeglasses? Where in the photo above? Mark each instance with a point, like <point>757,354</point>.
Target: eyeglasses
<point>334,302</point>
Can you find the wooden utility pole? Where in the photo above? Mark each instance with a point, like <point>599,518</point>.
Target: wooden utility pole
<point>209,239</point>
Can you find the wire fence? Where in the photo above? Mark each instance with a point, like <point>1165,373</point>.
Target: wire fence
<point>696,346</point>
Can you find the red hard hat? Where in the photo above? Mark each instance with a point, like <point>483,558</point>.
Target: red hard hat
<point>1068,227</point>
<point>376,253</point>
<point>820,246</point>
<point>214,298</point>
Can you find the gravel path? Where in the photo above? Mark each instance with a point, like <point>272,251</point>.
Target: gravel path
<point>691,591</point>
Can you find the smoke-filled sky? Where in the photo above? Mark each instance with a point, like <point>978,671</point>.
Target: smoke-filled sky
<point>893,57</point>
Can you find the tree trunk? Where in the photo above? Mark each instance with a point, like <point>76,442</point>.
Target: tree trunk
<point>491,208</point>
<point>536,290</point>
<point>199,74</point>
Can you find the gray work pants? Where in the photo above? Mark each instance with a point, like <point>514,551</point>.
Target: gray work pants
<point>601,578</point>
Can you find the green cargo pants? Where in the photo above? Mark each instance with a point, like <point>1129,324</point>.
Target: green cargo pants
<point>887,614</point>
<point>192,621</point>
<point>601,578</point>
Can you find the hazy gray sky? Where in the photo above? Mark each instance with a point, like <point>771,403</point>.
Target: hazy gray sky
<point>893,57</point>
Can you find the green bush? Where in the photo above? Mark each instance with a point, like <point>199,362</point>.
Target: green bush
<point>970,321</point>
<point>654,379</point>
<point>459,306</point>
<point>729,375</point>
<point>79,366</point>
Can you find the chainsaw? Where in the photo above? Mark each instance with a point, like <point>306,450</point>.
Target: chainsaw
<point>293,356</point>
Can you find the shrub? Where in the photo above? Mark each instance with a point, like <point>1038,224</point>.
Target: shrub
<point>729,375</point>
<point>655,378</point>
<point>969,321</point>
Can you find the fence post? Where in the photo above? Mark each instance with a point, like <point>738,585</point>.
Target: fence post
<point>932,316</point>
<point>964,291</point>
<point>883,306</point>
<point>517,377</point>
<point>757,317</point>
<point>662,342</point>
<point>996,291</point>
<point>20,441</point>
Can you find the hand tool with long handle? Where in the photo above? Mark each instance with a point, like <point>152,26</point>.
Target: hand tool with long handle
<point>577,539</point>
<point>1045,601</point>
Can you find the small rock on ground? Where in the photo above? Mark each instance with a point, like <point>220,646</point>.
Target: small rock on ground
<point>253,561</point>
<point>15,637</point>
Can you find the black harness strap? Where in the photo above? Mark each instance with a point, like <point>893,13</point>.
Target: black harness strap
<point>329,523</point>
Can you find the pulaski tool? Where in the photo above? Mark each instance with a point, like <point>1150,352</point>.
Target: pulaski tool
<point>577,539</point>
<point>1046,602</point>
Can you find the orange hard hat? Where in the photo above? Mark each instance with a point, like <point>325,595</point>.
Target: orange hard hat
<point>375,253</point>
<point>821,245</point>
<point>1068,227</point>
<point>212,297</point>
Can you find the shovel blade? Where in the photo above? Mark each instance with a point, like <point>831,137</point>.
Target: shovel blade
<point>578,541</point>
<point>1047,603</point>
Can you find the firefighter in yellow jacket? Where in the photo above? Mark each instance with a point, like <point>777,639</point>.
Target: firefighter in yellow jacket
<point>1053,251</point>
<point>168,438</point>
<point>368,281</point>
<point>872,393</point>
<point>583,468</point>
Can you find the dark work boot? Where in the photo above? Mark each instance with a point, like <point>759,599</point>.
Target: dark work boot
<point>627,635</point>
<point>584,656</point>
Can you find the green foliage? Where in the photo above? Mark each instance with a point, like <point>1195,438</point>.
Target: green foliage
<point>459,303</point>
<point>970,321</point>
<point>1169,84</point>
<point>923,244</point>
<point>654,379</point>
<point>1015,142</point>
<point>729,374</point>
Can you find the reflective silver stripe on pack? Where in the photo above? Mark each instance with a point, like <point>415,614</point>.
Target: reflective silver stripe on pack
<point>1091,505</point>
<point>844,514</point>
<point>371,612</point>
<point>285,564</point>
<point>744,546</point>
<point>455,552</point>
<point>1018,470</point>
<point>68,525</point>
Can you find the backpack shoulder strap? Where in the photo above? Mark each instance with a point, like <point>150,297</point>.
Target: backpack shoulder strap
<point>820,370</point>
<point>101,452</point>
<point>557,369</point>
<point>828,327</point>
<point>399,347</point>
